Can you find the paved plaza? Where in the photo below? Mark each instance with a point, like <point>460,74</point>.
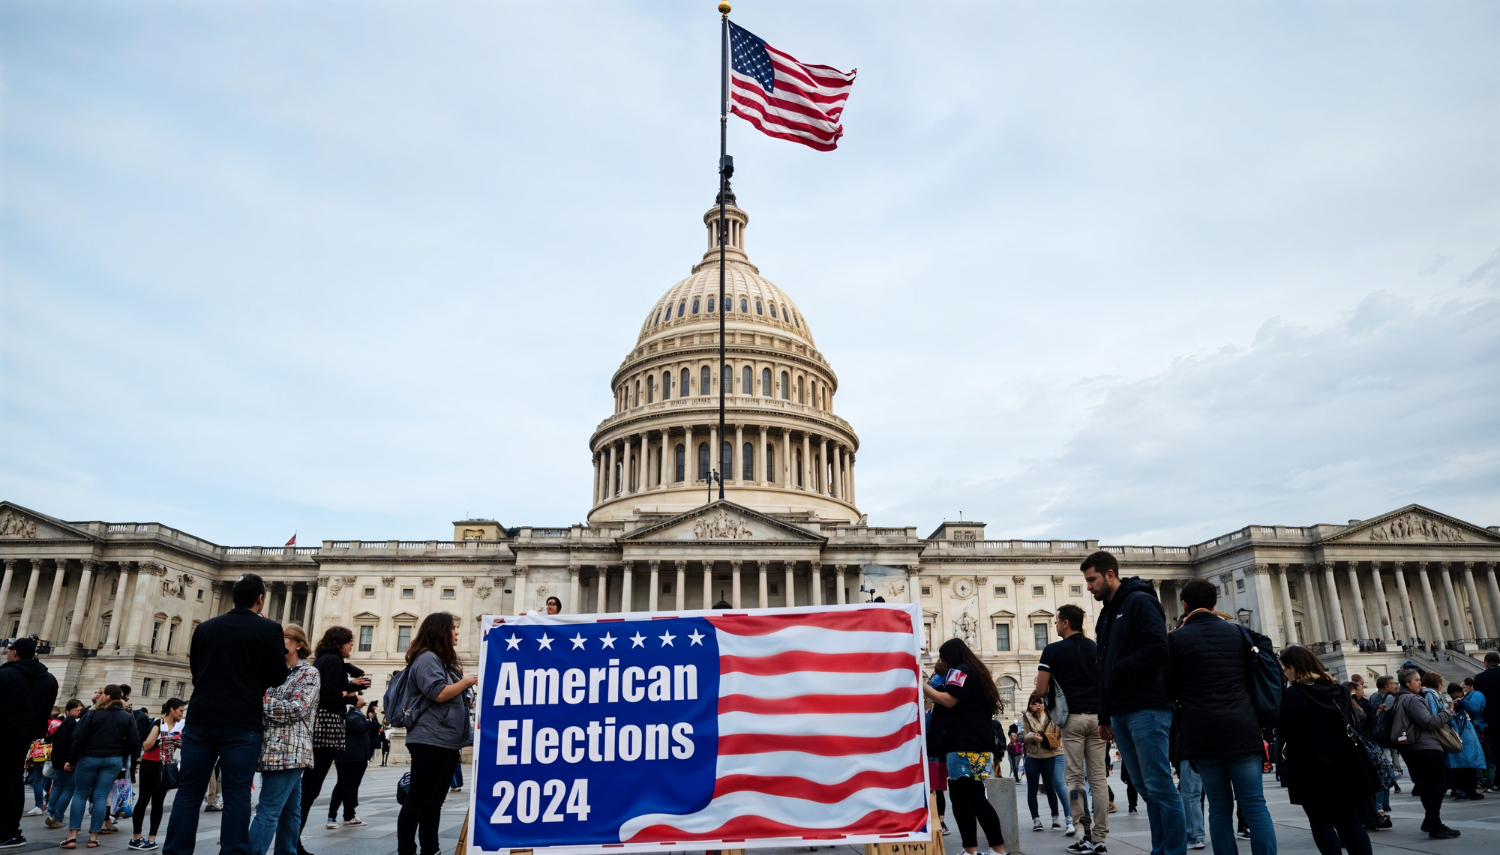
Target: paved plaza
<point>1129,834</point>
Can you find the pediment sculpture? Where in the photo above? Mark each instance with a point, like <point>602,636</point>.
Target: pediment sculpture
<point>721,526</point>
<point>13,524</point>
<point>1415,527</point>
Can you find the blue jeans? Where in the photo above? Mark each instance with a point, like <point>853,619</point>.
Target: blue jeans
<point>1060,784</point>
<point>1043,770</point>
<point>236,751</point>
<point>1227,780</point>
<point>62,792</point>
<point>278,814</point>
<point>38,787</point>
<point>1143,739</point>
<point>92,779</point>
<point>1190,785</point>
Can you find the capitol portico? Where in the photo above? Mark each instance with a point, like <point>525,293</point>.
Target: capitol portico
<point>118,601</point>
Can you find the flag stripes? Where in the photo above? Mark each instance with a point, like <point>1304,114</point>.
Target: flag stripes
<point>783,97</point>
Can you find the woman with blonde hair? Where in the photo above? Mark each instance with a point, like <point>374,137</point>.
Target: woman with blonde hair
<point>106,742</point>
<point>439,733</point>
<point>286,748</point>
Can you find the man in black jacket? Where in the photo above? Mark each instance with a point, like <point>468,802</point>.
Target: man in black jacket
<point>1217,730</point>
<point>27,693</point>
<point>1487,683</point>
<point>234,658</point>
<point>1135,710</point>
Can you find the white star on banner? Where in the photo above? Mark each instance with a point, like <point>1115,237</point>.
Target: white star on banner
<point>666,639</point>
<point>609,640</point>
<point>513,643</point>
<point>578,641</point>
<point>637,640</point>
<point>697,637</point>
<point>544,643</point>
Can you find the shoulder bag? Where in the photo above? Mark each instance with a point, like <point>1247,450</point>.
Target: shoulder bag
<point>1266,679</point>
<point>328,730</point>
<point>1051,735</point>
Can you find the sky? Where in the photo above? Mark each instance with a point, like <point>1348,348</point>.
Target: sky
<point>1142,272</point>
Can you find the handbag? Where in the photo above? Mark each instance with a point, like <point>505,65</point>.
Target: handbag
<point>1358,751</point>
<point>48,771</point>
<point>1051,735</point>
<point>328,730</point>
<point>171,776</point>
<point>1449,739</point>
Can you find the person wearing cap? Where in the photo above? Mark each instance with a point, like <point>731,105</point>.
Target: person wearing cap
<point>29,693</point>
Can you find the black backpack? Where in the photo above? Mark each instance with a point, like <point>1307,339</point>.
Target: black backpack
<point>1266,676</point>
<point>1380,729</point>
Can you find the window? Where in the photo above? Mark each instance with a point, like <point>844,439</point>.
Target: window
<point>200,595</point>
<point>1037,591</point>
<point>448,594</point>
<point>772,589</point>
<point>705,381</point>
<point>155,631</point>
<point>636,401</point>
<point>1002,637</point>
<point>666,587</point>
<point>746,386</point>
<point>773,310</point>
<point>747,462</point>
<point>146,687</point>
<point>765,382</point>
<point>679,472</point>
<point>366,639</point>
<point>666,386</point>
<point>1239,585</point>
<point>403,638</point>
<point>786,386</point>
<point>702,461</point>
<point>758,309</point>
<point>999,590</point>
<point>1075,590</point>
<point>658,318</point>
<point>686,388</point>
<point>681,307</point>
<point>744,310</point>
<point>728,380</point>
<point>408,593</point>
<point>171,634</point>
<point>650,389</point>
<point>1291,589</point>
<point>797,464</point>
<point>710,305</point>
<point>800,399</point>
<point>771,463</point>
<point>180,687</point>
<point>161,688</point>
<point>726,460</point>
<point>1040,631</point>
<point>926,591</point>
<point>695,305</point>
<point>369,593</point>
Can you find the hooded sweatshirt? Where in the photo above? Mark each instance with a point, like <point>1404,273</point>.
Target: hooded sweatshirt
<point>28,693</point>
<point>1132,643</point>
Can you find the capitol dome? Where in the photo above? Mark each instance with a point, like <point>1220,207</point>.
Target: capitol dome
<point>788,452</point>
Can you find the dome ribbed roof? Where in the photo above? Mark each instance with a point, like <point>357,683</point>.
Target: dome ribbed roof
<point>764,303</point>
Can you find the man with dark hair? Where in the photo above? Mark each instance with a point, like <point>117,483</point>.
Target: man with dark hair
<point>235,658</point>
<point>1135,710</point>
<point>1218,732</point>
<point>1068,676</point>
<point>1487,683</point>
<point>27,693</point>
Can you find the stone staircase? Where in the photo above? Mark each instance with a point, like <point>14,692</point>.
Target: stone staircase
<point>1454,665</point>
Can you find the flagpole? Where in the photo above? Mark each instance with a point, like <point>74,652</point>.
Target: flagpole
<point>726,168</point>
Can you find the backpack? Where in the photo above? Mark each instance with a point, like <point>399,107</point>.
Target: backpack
<point>1266,676</point>
<point>1380,730</point>
<point>403,704</point>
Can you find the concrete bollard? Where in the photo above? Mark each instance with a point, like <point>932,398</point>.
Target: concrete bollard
<point>1001,792</point>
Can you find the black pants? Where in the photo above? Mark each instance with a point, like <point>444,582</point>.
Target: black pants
<point>1429,780</point>
<point>1465,781</point>
<point>942,805</point>
<point>148,788</point>
<point>312,782</point>
<point>1337,827</point>
<point>969,804</point>
<point>12,785</point>
<point>385,753</point>
<point>1130,792</point>
<point>346,790</point>
<point>431,774</point>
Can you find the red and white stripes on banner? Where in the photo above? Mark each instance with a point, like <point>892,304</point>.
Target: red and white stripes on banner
<point>819,734</point>
<point>805,107</point>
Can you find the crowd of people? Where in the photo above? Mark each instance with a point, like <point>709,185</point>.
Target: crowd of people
<point>1198,715</point>
<point>264,703</point>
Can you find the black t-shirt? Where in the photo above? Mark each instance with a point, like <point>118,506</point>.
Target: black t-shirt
<point>966,726</point>
<point>1074,663</point>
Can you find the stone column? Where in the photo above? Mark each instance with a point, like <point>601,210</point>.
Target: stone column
<point>913,580</point>
<point>1311,609</point>
<point>765,585</point>
<point>715,449</point>
<point>1288,613</point>
<point>806,462</point>
<point>644,475</point>
<point>737,456</point>
<point>59,579</point>
<point>762,465</point>
<point>10,573</point>
<point>839,469</point>
<point>651,597</point>
<point>575,602</point>
<point>1359,601</point>
<point>1494,589</point>
<point>1481,626</point>
<point>734,584</point>
<point>598,470</point>
<point>838,581</point>
<point>829,471</point>
<point>1456,625</point>
<point>791,590</point>
<point>1335,609</point>
<point>689,457</point>
<point>786,459</point>
<point>609,473</point>
<point>627,587</point>
<point>1408,614</point>
<point>145,576</point>
<point>1384,616</point>
<point>852,495</point>
<point>708,585</point>
<point>602,575</point>
<point>522,588</point>
<point>117,610</point>
<point>816,583</point>
<point>681,585</point>
<point>310,628</point>
<point>1265,605</point>
<point>28,604</point>
<point>1434,624</point>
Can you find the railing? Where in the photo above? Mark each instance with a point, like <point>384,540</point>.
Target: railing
<point>240,550</point>
<point>1489,643</point>
<point>307,550</point>
<point>709,404</point>
<point>118,527</point>
<point>1325,648</point>
<point>550,532</point>
<point>1370,645</point>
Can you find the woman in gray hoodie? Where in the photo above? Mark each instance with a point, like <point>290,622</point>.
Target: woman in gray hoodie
<point>441,730</point>
<point>1414,729</point>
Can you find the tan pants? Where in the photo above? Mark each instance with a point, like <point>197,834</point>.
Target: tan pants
<point>1085,754</point>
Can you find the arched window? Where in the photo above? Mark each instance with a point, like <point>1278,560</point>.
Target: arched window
<point>710,305</point>
<point>747,462</point>
<point>744,309</point>
<point>796,320</point>
<point>726,459</point>
<point>666,386</point>
<point>681,464</point>
<point>765,382</point>
<point>758,309</point>
<point>786,387</point>
<point>728,380</point>
<point>705,381</point>
<point>812,392</point>
<point>797,464</point>
<point>702,461</point>
<point>799,391</point>
<point>658,454</point>
<point>681,307</point>
<point>747,386</point>
<point>695,305</point>
<point>651,388</point>
<point>771,464</point>
<point>687,384</point>
<point>658,318</point>
<point>773,310</point>
<point>637,398</point>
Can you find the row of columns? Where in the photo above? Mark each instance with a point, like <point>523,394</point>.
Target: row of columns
<point>46,623</point>
<point>623,465</point>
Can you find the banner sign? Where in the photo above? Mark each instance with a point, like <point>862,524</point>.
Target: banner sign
<point>699,730</point>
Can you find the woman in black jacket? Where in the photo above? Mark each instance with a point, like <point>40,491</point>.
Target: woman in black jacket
<point>336,692</point>
<point>351,764</point>
<point>62,781</point>
<point>962,712</point>
<point>1324,769</point>
<point>105,743</point>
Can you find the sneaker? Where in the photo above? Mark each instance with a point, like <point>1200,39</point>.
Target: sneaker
<point>1244,835</point>
<point>148,844</point>
<point>1036,825</point>
<point>1081,847</point>
<point>331,823</point>
<point>944,829</point>
<point>354,821</point>
<point>1055,824</point>
<point>1385,822</point>
<point>1197,844</point>
<point>14,843</point>
<point>213,809</point>
<point>1099,849</point>
<point>1133,810</point>
<point>1396,787</point>
<point>1111,807</point>
<point>1069,832</point>
<point>53,822</point>
<point>36,811</point>
<point>1443,833</point>
<point>136,843</point>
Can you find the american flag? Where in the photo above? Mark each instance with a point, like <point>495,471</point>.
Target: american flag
<point>785,98</point>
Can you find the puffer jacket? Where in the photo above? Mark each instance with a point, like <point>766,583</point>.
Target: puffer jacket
<point>1208,675</point>
<point>1131,636</point>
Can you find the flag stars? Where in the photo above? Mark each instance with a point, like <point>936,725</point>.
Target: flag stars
<point>513,643</point>
<point>545,642</point>
<point>578,641</point>
<point>608,640</point>
<point>697,637</point>
<point>637,640</point>
<point>666,639</point>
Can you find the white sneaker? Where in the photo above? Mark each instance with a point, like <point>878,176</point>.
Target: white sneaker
<point>1069,832</point>
<point>354,821</point>
<point>36,811</point>
<point>331,824</point>
<point>1055,824</point>
<point>1036,825</point>
<point>1197,844</point>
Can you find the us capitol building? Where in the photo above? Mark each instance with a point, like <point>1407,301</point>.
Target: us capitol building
<point>118,601</point>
